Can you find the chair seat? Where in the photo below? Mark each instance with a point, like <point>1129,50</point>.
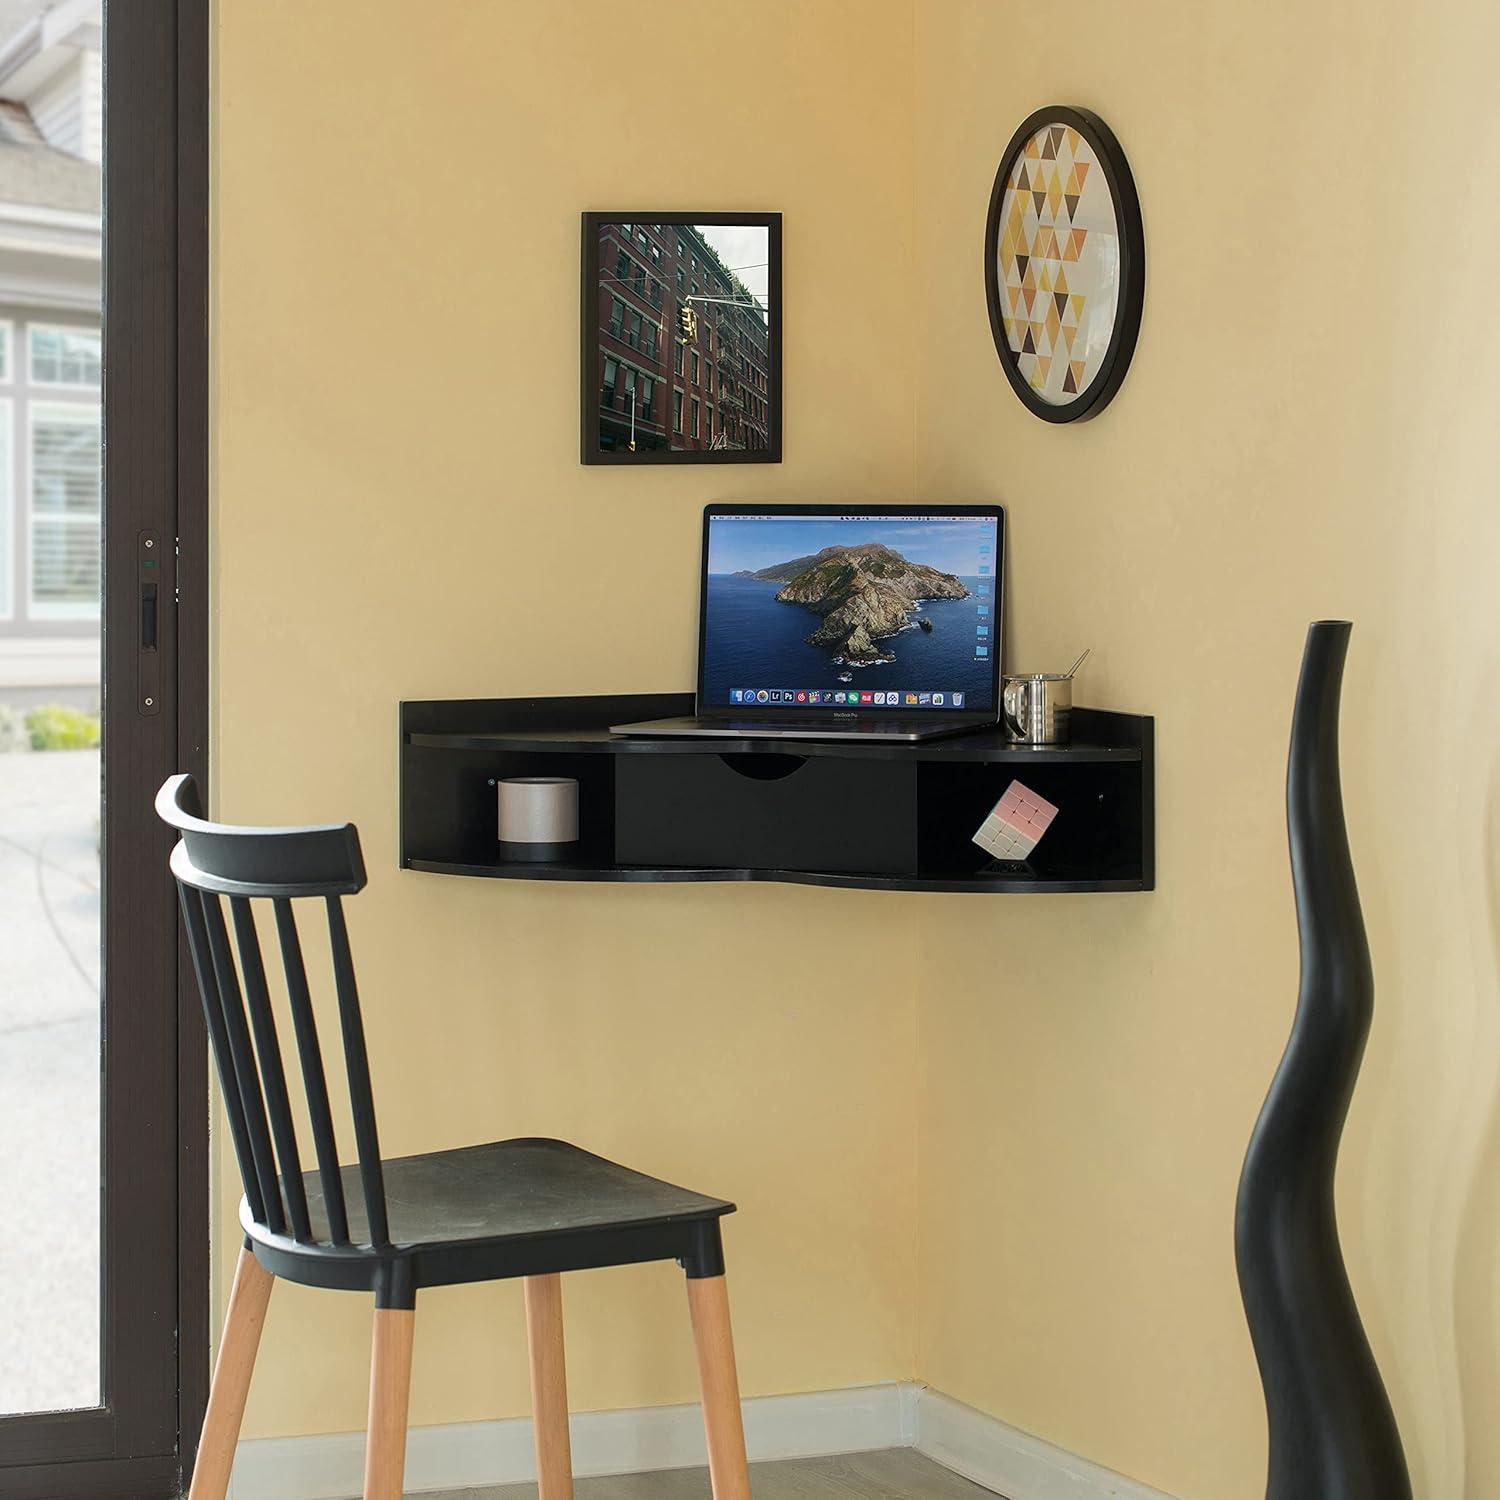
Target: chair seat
<point>509,1208</point>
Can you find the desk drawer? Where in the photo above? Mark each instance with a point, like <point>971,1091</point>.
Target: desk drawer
<point>759,811</point>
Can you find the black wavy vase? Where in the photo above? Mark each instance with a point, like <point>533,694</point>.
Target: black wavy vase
<point>1333,1436</point>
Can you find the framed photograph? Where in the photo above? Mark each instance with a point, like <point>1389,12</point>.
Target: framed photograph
<point>1064,263</point>
<point>681,338</point>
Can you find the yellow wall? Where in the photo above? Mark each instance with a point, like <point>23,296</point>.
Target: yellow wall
<point>1306,432</point>
<point>401,513</point>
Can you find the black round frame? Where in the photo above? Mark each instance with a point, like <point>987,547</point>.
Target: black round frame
<point>1099,392</point>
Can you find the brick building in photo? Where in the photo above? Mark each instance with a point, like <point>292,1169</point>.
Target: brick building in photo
<point>657,388</point>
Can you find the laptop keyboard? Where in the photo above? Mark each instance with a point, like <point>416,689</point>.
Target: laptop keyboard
<point>840,726</point>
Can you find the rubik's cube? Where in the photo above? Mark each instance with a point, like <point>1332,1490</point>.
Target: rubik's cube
<point>1015,824</point>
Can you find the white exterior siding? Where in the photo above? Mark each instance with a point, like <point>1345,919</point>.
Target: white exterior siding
<point>92,134</point>
<point>63,112</point>
<point>49,394</point>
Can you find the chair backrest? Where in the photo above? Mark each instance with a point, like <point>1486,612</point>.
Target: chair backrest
<point>213,863</point>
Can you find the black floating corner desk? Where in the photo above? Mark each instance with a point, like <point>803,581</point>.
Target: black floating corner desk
<point>839,813</point>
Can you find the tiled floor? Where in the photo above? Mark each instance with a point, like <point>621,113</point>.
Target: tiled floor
<point>896,1474</point>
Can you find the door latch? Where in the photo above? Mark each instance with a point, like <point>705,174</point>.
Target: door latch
<point>149,565</point>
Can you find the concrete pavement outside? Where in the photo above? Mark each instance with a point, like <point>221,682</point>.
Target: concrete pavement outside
<point>49,1079</point>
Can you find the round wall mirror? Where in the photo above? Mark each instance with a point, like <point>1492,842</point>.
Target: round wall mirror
<point>1065,263</point>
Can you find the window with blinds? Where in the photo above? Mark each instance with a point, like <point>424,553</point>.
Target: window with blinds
<point>7,508</point>
<point>64,356</point>
<point>65,484</point>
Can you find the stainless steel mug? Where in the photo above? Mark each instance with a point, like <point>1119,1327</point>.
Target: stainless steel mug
<point>1037,707</point>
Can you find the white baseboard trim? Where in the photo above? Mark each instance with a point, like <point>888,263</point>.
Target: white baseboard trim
<point>1011,1462</point>
<point>901,1414</point>
<point>465,1454</point>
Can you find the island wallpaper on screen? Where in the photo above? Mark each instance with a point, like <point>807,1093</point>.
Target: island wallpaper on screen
<point>873,612</point>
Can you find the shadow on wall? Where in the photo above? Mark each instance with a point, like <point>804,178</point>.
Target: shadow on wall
<point>1476,1281</point>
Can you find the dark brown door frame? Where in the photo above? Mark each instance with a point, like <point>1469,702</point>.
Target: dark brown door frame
<point>193,686</point>
<point>140,1443</point>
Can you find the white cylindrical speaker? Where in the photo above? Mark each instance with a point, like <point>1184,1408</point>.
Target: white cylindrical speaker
<point>538,816</point>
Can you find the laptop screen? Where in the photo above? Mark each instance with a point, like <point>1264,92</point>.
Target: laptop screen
<point>873,610</point>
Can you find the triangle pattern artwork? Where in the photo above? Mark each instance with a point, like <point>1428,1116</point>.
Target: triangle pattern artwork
<point>1058,262</point>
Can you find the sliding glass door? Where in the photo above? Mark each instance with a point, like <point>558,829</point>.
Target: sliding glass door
<point>102,689</point>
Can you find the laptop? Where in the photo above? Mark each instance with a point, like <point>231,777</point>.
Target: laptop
<point>846,622</point>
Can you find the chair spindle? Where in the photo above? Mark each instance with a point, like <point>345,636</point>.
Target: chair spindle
<point>311,1053</point>
<point>213,1016</point>
<point>357,1066</point>
<point>272,1069</point>
<point>240,1049</point>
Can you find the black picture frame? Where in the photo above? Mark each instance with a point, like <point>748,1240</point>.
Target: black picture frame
<point>767,446</point>
<point>1111,157</point>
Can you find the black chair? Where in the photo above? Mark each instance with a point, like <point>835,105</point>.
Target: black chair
<point>522,1208</point>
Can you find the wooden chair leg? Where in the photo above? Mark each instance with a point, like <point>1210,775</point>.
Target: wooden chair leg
<point>390,1394</point>
<point>231,1384</point>
<point>549,1387</point>
<point>708,1302</point>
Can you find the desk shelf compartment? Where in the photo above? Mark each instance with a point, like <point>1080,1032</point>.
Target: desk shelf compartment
<point>449,805</point>
<point>850,814</point>
<point>1098,841</point>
